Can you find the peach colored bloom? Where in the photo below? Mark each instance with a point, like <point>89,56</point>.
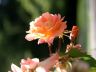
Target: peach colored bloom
<point>26,65</point>
<point>74,32</point>
<point>46,28</point>
<point>29,64</point>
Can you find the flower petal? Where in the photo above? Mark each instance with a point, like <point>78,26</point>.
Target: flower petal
<point>40,69</point>
<point>15,68</point>
<point>29,37</point>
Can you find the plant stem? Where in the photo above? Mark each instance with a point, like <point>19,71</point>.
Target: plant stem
<point>59,45</point>
<point>50,52</point>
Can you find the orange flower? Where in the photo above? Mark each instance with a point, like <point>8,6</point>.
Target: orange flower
<point>46,28</point>
<point>74,32</point>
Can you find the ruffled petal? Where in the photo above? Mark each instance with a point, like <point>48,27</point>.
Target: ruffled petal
<point>29,37</point>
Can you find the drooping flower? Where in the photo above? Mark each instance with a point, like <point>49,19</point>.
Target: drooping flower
<point>74,32</point>
<point>46,28</point>
<point>48,63</point>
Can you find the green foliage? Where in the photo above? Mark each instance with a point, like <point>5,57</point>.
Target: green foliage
<point>75,53</point>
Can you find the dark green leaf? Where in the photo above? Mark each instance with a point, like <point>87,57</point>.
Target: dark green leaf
<point>90,60</point>
<point>74,53</point>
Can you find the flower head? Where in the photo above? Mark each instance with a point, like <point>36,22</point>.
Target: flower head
<point>46,28</point>
<point>29,64</point>
<point>26,65</point>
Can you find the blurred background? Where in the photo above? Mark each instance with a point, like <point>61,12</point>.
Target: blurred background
<point>15,16</point>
